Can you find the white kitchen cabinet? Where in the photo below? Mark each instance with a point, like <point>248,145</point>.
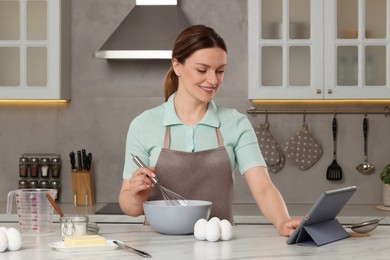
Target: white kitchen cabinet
<point>318,49</point>
<point>35,49</point>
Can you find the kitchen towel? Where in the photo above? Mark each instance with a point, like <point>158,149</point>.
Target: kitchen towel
<point>303,149</point>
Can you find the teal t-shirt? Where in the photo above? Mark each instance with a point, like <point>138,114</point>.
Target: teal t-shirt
<point>145,136</point>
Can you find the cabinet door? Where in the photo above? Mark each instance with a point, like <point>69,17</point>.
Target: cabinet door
<point>356,43</point>
<point>285,40</point>
<point>30,33</point>
<point>345,55</point>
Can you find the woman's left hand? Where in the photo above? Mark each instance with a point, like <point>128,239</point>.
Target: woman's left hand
<point>288,227</point>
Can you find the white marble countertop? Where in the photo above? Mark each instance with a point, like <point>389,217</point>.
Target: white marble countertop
<point>243,214</point>
<point>248,242</point>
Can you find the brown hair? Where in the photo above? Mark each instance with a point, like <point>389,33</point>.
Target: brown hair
<point>192,39</point>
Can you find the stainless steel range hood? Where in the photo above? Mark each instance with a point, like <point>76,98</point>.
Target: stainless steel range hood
<point>148,32</point>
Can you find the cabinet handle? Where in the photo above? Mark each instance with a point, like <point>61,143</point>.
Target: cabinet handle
<point>319,91</point>
<point>329,91</point>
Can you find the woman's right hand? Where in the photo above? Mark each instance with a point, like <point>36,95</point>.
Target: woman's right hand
<point>135,191</point>
<point>140,185</point>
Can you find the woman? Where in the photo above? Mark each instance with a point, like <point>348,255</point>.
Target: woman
<point>194,145</point>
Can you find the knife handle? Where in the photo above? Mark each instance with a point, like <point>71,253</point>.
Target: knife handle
<point>84,158</point>
<point>79,161</point>
<point>89,161</point>
<point>72,161</point>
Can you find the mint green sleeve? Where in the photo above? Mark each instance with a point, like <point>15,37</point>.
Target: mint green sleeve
<point>247,149</point>
<point>135,145</point>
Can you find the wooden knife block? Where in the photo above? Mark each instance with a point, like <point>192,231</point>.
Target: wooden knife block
<point>83,188</point>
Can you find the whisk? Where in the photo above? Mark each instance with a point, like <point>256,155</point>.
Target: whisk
<point>170,197</point>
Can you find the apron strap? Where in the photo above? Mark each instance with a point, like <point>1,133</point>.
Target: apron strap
<point>167,138</point>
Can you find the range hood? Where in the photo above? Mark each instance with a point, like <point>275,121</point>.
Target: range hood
<point>148,32</point>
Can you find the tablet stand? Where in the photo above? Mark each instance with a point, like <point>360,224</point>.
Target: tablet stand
<point>321,233</point>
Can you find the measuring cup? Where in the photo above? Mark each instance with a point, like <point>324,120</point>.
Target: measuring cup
<point>34,210</point>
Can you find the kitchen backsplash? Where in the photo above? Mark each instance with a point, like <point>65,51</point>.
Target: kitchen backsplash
<point>106,96</point>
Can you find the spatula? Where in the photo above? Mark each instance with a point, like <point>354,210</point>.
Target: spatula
<point>334,171</point>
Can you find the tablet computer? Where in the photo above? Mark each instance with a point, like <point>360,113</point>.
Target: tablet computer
<point>324,210</point>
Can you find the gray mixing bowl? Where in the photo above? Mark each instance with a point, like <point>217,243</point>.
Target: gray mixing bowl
<point>176,220</point>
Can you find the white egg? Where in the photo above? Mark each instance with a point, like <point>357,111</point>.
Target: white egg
<point>3,241</point>
<point>14,239</point>
<point>226,230</point>
<point>216,218</point>
<point>3,229</point>
<point>200,229</point>
<point>213,230</point>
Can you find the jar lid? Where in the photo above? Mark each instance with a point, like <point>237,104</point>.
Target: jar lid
<point>45,160</point>
<point>23,159</point>
<point>34,160</point>
<point>75,219</point>
<point>55,160</point>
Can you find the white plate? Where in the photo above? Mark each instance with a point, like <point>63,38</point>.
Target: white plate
<point>60,246</point>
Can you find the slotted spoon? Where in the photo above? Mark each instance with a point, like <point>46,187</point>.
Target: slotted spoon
<point>334,171</point>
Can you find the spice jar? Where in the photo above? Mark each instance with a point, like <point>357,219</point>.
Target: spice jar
<point>34,166</point>
<point>45,163</point>
<point>23,184</point>
<point>44,184</point>
<point>74,226</point>
<point>56,185</point>
<point>23,166</point>
<point>33,185</point>
<point>55,167</point>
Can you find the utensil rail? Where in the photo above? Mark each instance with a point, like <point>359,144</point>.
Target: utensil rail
<point>385,111</point>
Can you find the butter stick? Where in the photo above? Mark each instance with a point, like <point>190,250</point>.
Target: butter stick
<point>88,240</point>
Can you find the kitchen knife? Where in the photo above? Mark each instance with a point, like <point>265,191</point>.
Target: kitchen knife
<point>85,159</point>
<point>72,161</point>
<point>79,161</point>
<point>89,161</point>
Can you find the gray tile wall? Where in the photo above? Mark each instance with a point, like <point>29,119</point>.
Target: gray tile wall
<point>106,96</point>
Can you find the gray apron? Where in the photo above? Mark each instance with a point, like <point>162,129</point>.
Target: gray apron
<point>203,175</point>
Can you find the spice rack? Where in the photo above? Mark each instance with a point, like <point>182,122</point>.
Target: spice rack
<point>40,170</point>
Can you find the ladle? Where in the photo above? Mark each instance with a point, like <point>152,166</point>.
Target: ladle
<point>365,167</point>
<point>366,226</point>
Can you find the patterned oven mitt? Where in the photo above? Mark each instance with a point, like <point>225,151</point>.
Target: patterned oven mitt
<point>273,154</point>
<point>303,150</point>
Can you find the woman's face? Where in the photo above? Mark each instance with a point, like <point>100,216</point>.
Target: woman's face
<point>202,73</point>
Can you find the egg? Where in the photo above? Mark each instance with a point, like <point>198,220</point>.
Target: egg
<point>3,229</point>
<point>213,230</point>
<point>14,239</point>
<point>216,219</point>
<point>226,230</point>
<point>200,229</point>
<point>3,241</point>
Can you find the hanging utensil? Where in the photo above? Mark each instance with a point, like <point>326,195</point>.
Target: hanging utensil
<point>365,167</point>
<point>334,171</point>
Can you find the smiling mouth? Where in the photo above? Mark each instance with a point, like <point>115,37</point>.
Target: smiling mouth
<point>208,89</point>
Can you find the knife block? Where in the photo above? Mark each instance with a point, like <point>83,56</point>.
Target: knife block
<point>83,188</point>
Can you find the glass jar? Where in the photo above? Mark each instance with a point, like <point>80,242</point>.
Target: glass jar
<point>74,226</point>
<point>34,166</point>
<point>55,167</point>
<point>56,185</point>
<point>45,164</point>
<point>44,184</point>
<point>23,184</point>
<point>33,184</point>
<point>23,166</point>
